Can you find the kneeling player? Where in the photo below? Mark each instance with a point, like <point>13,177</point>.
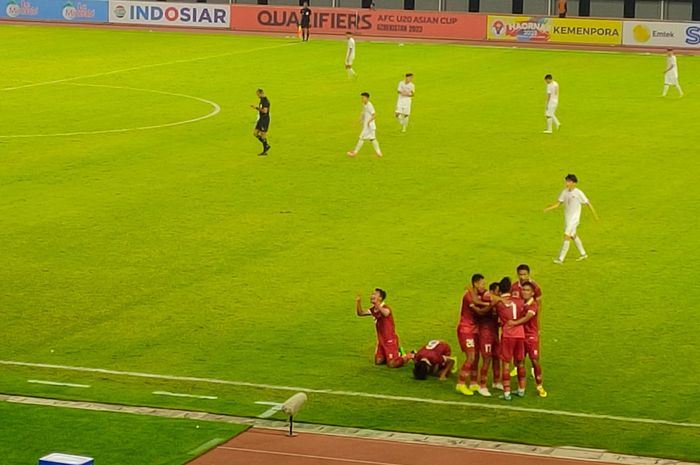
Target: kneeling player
<point>433,359</point>
<point>387,340</point>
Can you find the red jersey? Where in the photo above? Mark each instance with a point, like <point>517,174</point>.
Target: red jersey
<point>532,326</point>
<point>488,322</point>
<point>386,330</point>
<point>468,319</point>
<point>517,289</point>
<point>511,308</point>
<point>434,352</point>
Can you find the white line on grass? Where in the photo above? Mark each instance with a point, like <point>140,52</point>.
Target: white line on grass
<point>55,383</point>
<point>276,407</point>
<point>205,447</point>
<point>152,65</point>
<point>366,395</point>
<point>177,394</point>
<point>215,110</point>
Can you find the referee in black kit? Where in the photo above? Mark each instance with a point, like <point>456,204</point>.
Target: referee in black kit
<point>305,21</point>
<point>263,123</point>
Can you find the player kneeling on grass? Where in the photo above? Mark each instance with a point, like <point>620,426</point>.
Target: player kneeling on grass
<point>388,350</point>
<point>512,348</point>
<point>433,359</point>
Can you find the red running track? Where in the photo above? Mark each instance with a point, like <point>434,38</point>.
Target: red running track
<point>273,447</point>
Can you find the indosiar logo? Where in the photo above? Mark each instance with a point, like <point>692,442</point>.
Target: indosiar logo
<point>692,35</point>
<point>183,14</point>
<point>119,11</point>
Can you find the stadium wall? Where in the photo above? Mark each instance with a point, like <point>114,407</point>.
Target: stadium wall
<point>90,11</point>
<point>399,24</point>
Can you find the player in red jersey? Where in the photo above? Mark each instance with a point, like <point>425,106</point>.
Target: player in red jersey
<point>387,341</point>
<point>524,277</point>
<point>433,358</point>
<point>468,334</point>
<point>523,271</point>
<point>512,346</point>
<point>488,344</point>
<point>532,333</point>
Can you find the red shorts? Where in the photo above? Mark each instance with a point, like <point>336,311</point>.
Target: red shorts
<point>386,351</point>
<point>488,342</point>
<point>469,342</point>
<point>512,349</point>
<point>532,347</point>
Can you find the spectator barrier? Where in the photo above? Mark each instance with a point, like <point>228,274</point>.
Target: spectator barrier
<point>661,34</point>
<point>170,14</point>
<point>378,23</point>
<point>92,11</point>
<point>555,30</point>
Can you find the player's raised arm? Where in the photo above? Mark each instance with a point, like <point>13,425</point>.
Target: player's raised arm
<point>358,307</point>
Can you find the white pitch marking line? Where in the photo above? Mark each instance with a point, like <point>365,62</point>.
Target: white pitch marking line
<point>55,383</point>
<point>153,65</point>
<point>367,395</point>
<point>306,456</point>
<point>216,109</point>
<point>177,394</point>
<point>276,407</point>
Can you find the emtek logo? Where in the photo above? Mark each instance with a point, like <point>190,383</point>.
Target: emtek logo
<point>692,35</point>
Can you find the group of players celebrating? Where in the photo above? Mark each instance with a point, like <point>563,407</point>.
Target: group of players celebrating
<point>498,327</point>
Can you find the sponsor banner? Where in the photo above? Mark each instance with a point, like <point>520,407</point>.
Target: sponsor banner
<point>55,10</point>
<point>380,23</point>
<point>661,34</point>
<point>554,30</point>
<point>169,14</point>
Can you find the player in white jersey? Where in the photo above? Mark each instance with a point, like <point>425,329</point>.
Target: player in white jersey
<point>550,107</point>
<point>350,55</point>
<point>406,92</point>
<point>671,74</point>
<point>572,198</point>
<point>369,127</point>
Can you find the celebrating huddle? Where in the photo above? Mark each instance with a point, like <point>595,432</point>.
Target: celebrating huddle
<point>498,327</point>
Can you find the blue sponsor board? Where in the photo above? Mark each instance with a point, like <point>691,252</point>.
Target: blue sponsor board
<point>91,11</point>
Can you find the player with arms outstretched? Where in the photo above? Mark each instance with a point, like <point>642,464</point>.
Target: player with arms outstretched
<point>572,197</point>
<point>387,351</point>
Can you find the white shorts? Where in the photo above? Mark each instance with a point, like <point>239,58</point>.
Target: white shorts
<point>349,60</point>
<point>369,133</point>
<point>403,106</point>
<point>570,229</point>
<point>671,80</point>
<point>551,109</point>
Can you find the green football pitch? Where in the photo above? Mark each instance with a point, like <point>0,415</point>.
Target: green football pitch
<point>140,232</point>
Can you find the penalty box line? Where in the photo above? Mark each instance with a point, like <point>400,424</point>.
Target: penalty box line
<point>152,65</point>
<point>510,408</point>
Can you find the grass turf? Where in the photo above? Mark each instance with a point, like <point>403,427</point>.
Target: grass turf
<point>178,251</point>
<point>31,432</point>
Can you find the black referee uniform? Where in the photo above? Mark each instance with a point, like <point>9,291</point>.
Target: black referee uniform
<point>305,22</point>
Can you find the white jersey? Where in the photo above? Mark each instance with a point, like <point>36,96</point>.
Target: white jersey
<point>553,92</point>
<point>350,54</point>
<point>572,200</point>
<point>406,87</point>
<point>369,128</point>
<point>367,112</point>
<point>673,64</point>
